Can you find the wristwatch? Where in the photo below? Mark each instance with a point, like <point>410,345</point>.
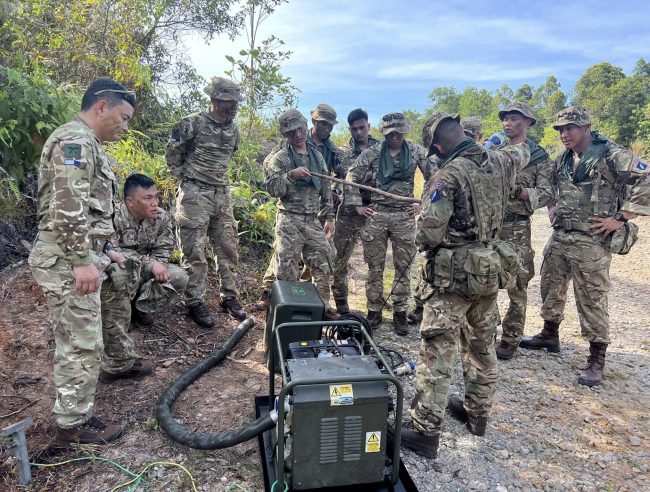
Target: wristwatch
<point>620,217</point>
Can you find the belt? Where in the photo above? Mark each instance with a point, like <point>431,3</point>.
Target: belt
<point>202,184</point>
<point>571,225</point>
<point>96,243</point>
<point>515,218</point>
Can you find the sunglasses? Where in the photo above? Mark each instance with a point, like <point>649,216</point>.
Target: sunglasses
<point>393,116</point>
<point>128,96</point>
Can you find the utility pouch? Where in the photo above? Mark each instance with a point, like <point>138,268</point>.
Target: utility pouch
<point>483,267</point>
<point>510,264</point>
<point>443,272</point>
<point>620,242</point>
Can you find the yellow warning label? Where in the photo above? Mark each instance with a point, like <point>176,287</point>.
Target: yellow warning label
<point>373,442</point>
<point>341,394</point>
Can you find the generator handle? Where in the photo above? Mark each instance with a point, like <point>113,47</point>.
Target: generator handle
<point>279,461</point>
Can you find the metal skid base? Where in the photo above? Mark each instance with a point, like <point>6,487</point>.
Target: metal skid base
<point>267,445</point>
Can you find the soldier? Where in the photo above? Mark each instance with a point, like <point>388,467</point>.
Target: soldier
<point>473,128</point>
<point>198,153</point>
<point>598,187</point>
<point>298,233</point>
<point>144,235</point>
<point>532,191</point>
<point>393,162</point>
<point>75,206</point>
<point>463,208</point>
<point>348,223</point>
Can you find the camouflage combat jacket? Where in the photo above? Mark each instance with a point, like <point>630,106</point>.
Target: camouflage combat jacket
<point>151,239</point>
<point>200,149</point>
<point>349,153</point>
<point>368,161</point>
<point>333,159</point>
<point>293,197</point>
<point>76,187</point>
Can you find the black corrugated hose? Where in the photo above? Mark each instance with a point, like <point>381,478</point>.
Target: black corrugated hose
<point>208,440</point>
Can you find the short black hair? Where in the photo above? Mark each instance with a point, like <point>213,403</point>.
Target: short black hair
<point>357,114</point>
<point>137,181</point>
<point>108,90</point>
<point>448,131</point>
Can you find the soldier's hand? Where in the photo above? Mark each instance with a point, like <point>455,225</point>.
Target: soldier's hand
<point>604,225</point>
<point>86,279</point>
<point>328,227</point>
<point>160,272</point>
<point>117,257</point>
<point>300,172</point>
<point>415,209</point>
<point>365,211</point>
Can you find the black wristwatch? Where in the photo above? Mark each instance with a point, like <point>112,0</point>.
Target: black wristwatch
<point>620,217</point>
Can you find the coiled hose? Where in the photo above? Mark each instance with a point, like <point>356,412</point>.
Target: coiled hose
<point>208,440</point>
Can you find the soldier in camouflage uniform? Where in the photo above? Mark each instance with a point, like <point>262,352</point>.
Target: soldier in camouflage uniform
<point>348,222</point>
<point>198,153</point>
<point>393,163</point>
<point>473,128</point>
<point>532,191</point>
<point>598,187</point>
<point>298,233</point>
<point>71,252</point>
<point>144,235</point>
<point>462,211</point>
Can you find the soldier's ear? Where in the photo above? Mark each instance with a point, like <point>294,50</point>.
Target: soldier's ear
<point>128,200</point>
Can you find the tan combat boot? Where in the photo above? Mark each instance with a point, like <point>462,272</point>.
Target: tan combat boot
<point>138,370</point>
<point>93,431</point>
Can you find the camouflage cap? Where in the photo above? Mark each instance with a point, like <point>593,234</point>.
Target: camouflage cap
<point>394,122</point>
<point>324,112</point>
<point>472,126</point>
<point>431,126</point>
<point>518,107</point>
<point>573,115</point>
<point>223,90</point>
<point>290,120</point>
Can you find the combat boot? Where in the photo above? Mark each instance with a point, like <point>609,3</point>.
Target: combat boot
<point>140,318</point>
<point>374,318</point>
<point>399,323</point>
<point>138,370</point>
<point>342,305</point>
<point>232,306</point>
<point>414,440</point>
<point>505,350</point>
<point>201,316</point>
<point>593,373</point>
<point>93,431</point>
<point>262,303</point>
<point>415,316</point>
<point>548,338</point>
<point>330,314</point>
<point>476,425</point>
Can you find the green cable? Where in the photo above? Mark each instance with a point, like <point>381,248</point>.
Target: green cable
<point>286,486</point>
<point>86,458</point>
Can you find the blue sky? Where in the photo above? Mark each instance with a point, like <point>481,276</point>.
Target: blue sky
<point>388,55</point>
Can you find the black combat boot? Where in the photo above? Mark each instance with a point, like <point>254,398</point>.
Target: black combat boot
<point>201,315</point>
<point>548,338</point>
<point>414,440</point>
<point>138,370</point>
<point>476,425</point>
<point>342,305</point>
<point>93,431</point>
<point>262,303</point>
<point>399,323</point>
<point>232,306</point>
<point>593,373</point>
<point>330,314</point>
<point>505,350</point>
<point>140,318</point>
<point>374,318</point>
<point>415,316</point>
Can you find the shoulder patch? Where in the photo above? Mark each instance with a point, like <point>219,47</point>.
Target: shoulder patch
<point>436,194</point>
<point>641,166</point>
<point>71,151</point>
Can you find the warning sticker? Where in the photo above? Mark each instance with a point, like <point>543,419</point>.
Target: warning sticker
<point>373,442</point>
<point>341,394</point>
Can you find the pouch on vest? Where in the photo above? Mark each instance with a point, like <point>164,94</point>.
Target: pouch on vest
<point>483,267</point>
<point>510,264</point>
<point>620,242</point>
<point>443,268</point>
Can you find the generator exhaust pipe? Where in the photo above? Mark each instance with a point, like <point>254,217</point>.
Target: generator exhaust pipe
<point>209,440</point>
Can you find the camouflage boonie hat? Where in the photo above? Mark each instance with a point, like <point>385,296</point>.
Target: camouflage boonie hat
<point>394,122</point>
<point>154,296</point>
<point>576,115</point>
<point>431,126</point>
<point>324,112</point>
<point>472,126</point>
<point>290,120</point>
<point>518,107</point>
<point>223,90</point>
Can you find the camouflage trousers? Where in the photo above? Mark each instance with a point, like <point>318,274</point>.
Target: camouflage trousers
<point>518,233</point>
<point>448,318</point>
<point>346,233</point>
<point>123,287</point>
<point>78,335</point>
<point>583,259</point>
<point>399,227</point>
<point>204,213</point>
<point>300,236</point>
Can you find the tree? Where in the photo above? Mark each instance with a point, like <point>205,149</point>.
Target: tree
<point>445,98</point>
<point>525,94</point>
<point>475,102</point>
<point>592,88</point>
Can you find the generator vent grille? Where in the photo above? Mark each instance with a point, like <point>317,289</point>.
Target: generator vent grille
<point>329,440</point>
<point>352,439</point>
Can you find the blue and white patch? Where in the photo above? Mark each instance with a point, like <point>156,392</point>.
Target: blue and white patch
<point>72,162</point>
<point>436,195</point>
<point>641,165</point>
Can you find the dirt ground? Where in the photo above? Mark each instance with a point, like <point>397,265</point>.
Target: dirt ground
<point>538,397</point>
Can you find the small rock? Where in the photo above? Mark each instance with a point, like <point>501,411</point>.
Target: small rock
<point>500,488</point>
<point>168,363</point>
<point>635,441</point>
